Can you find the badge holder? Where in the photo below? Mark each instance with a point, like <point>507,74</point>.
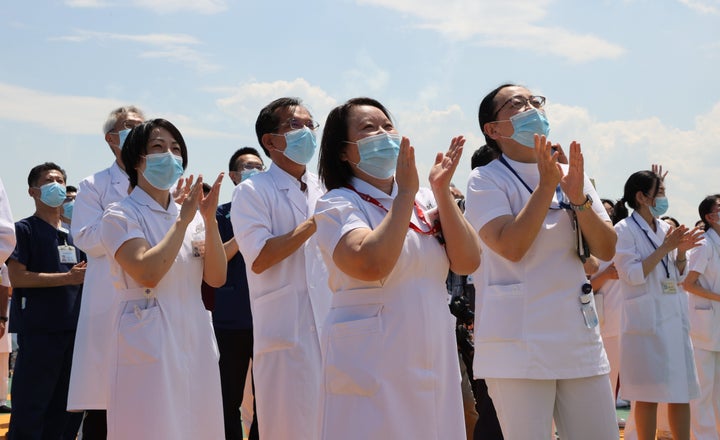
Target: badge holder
<point>587,307</point>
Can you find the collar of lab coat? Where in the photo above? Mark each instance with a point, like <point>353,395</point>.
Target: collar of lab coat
<point>143,198</point>
<point>660,226</point>
<point>291,186</point>
<point>119,178</point>
<point>713,238</point>
<point>379,195</point>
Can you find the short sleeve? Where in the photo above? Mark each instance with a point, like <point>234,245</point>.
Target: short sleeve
<point>597,204</point>
<point>119,225</point>
<point>485,200</point>
<point>336,215</point>
<point>251,220</point>
<point>698,257</point>
<point>21,254</point>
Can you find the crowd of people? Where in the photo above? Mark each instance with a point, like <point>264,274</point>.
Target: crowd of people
<point>145,310</point>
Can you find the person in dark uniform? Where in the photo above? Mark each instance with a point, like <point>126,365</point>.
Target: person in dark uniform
<point>47,272</point>
<point>232,318</point>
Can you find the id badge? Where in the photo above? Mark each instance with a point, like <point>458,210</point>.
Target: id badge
<point>589,314</point>
<point>67,254</point>
<point>669,286</point>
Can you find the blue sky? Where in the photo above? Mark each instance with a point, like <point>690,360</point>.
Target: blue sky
<point>635,81</point>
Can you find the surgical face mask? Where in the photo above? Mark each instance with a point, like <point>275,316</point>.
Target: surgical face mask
<point>245,174</point>
<point>123,134</point>
<point>300,145</point>
<point>378,154</point>
<point>53,194</point>
<point>660,208</point>
<point>527,124</point>
<point>68,209</point>
<point>162,170</point>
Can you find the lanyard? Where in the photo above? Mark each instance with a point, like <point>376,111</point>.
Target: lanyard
<point>434,229</point>
<point>652,243</point>
<point>558,191</point>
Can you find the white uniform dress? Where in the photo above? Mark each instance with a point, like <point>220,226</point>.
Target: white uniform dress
<point>7,226</point>
<point>286,358</point>
<point>166,380</point>
<point>391,368</point>
<point>705,334</point>
<point>89,379</point>
<point>656,355</point>
<point>608,300</point>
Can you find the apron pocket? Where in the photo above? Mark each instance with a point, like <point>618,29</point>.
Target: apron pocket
<point>354,351</point>
<point>502,316</point>
<point>639,315</point>
<point>140,334</point>
<point>276,316</point>
<point>701,324</point>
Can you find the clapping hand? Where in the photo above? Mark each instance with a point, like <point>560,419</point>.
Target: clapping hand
<point>442,172</point>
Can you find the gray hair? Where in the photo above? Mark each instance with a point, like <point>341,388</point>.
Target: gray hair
<point>115,114</point>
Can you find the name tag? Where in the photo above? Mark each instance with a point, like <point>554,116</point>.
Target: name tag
<point>67,254</point>
<point>669,286</point>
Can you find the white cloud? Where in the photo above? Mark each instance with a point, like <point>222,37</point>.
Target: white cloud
<point>366,77</point>
<point>159,6</point>
<point>513,24</point>
<point>173,47</point>
<point>703,6</point>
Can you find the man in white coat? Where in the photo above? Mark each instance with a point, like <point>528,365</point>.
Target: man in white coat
<point>89,381</point>
<point>272,221</point>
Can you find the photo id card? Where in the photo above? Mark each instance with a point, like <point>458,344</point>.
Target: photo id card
<point>669,286</point>
<point>67,254</point>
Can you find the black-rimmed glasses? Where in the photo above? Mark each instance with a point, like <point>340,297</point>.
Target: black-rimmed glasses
<point>518,102</point>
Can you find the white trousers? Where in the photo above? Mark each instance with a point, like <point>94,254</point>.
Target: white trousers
<point>583,408</point>
<point>705,410</point>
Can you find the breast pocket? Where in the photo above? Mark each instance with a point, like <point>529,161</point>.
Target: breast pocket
<point>140,334</point>
<point>639,315</point>
<point>503,314</point>
<point>354,351</point>
<point>275,318</point>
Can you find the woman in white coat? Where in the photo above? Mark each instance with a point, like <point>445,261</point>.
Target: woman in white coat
<point>391,367</point>
<point>656,359</point>
<point>537,343</point>
<point>703,284</point>
<point>166,383</point>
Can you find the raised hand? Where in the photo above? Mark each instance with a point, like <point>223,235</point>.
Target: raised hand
<point>657,169</point>
<point>691,239</point>
<point>209,203</point>
<point>573,182</point>
<point>182,189</point>
<point>191,201</point>
<point>550,171</point>
<point>442,172</point>
<point>406,173</point>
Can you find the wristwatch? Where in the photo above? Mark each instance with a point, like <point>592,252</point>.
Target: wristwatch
<point>587,204</point>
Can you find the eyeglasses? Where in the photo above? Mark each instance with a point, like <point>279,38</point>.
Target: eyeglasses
<point>251,166</point>
<point>518,102</point>
<point>127,124</point>
<point>297,124</point>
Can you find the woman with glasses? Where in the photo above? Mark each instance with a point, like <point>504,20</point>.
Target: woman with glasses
<point>166,382</point>
<point>703,284</point>
<point>390,369</point>
<point>537,342</point>
<point>656,359</point>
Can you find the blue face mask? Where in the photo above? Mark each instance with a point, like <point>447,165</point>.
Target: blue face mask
<point>660,208</point>
<point>162,170</point>
<point>245,174</point>
<point>123,134</point>
<point>301,145</point>
<point>527,124</point>
<point>53,194</point>
<point>378,154</point>
<point>68,209</point>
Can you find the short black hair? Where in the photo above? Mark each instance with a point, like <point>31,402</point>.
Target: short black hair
<point>483,156</point>
<point>242,152</point>
<point>268,120</point>
<point>334,172</point>
<point>706,207</point>
<point>70,189</point>
<point>135,145</point>
<point>35,172</point>
<point>672,219</point>
<point>486,113</point>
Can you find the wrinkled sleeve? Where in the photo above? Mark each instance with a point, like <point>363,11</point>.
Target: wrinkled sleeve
<point>336,215</point>
<point>87,217</point>
<point>7,228</point>
<point>485,200</point>
<point>250,215</point>
<point>119,225</point>
<point>628,260</point>
<point>699,257</point>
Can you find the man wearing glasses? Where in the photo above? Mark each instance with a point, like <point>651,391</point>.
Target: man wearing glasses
<point>272,219</point>
<point>89,379</point>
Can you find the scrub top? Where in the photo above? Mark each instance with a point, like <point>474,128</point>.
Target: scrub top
<point>656,355</point>
<point>528,321</point>
<point>391,356</point>
<point>166,380</point>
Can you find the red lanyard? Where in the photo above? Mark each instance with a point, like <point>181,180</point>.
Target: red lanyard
<point>434,229</point>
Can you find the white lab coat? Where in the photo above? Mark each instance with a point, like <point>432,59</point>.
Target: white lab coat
<point>89,380</point>
<point>6,340</point>
<point>656,355</point>
<point>391,357</point>
<point>705,334</point>
<point>7,226</point>
<point>528,321</point>
<point>166,380</point>
<point>286,359</point>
